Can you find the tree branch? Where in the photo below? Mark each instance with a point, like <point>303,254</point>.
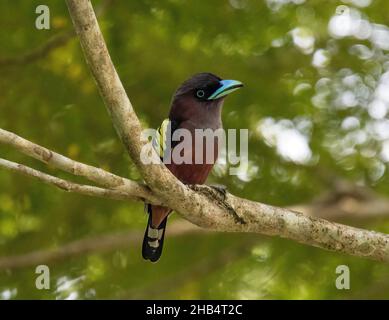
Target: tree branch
<point>130,193</point>
<point>39,52</point>
<point>202,205</point>
<point>64,184</point>
<point>224,215</point>
<point>97,175</point>
<point>347,202</point>
<point>98,244</point>
<point>43,50</point>
<point>200,268</point>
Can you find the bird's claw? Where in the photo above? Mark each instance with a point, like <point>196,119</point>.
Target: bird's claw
<point>221,189</point>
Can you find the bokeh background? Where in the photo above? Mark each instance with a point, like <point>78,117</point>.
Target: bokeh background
<point>316,103</point>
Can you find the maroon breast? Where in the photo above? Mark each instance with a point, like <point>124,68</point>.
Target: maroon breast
<point>203,153</point>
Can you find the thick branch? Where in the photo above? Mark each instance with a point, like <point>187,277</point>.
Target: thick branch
<point>124,119</point>
<point>343,202</point>
<point>204,207</point>
<point>276,221</point>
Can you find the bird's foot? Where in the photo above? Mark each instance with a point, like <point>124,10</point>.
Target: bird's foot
<point>218,191</point>
<point>221,189</point>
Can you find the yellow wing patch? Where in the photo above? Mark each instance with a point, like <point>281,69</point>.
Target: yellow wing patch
<point>159,141</point>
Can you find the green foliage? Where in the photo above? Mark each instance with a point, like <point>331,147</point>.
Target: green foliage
<point>302,80</point>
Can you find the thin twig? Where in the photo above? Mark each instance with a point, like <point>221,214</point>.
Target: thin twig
<point>199,204</point>
<point>58,40</point>
<point>97,244</point>
<point>40,52</point>
<point>97,175</point>
<point>64,184</point>
<point>202,206</point>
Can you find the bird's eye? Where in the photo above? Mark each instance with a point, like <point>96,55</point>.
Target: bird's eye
<point>200,93</point>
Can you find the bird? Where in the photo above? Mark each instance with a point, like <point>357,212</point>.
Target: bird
<point>196,104</point>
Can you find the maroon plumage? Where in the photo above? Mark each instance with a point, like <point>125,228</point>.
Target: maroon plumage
<point>190,112</point>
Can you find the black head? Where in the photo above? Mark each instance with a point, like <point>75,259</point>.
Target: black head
<point>206,86</point>
<point>200,98</point>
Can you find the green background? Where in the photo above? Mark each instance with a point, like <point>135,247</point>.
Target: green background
<point>323,105</point>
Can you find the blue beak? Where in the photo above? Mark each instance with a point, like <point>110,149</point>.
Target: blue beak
<point>227,86</point>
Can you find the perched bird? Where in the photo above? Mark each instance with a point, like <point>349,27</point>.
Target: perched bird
<point>196,104</point>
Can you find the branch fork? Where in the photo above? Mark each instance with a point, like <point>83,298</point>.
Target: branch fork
<point>200,205</point>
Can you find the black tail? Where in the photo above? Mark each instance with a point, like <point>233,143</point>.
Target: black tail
<point>153,240</point>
